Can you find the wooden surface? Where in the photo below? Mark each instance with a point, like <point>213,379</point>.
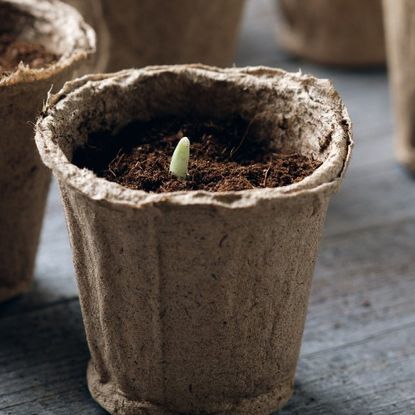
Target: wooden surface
<point>358,350</point>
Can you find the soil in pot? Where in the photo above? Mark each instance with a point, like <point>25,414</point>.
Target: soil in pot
<point>13,51</point>
<point>225,156</point>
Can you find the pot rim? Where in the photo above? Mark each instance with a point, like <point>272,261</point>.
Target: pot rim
<point>58,15</point>
<point>326,179</point>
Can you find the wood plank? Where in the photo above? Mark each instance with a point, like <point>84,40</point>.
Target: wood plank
<point>375,376</point>
<point>43,356</point>
<point>379,197</point>
<point>359,291</point>
<point>54,280</point>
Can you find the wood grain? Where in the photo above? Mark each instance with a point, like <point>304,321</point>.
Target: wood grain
<point>357,356</point>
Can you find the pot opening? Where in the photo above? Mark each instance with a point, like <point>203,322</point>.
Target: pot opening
<point>241,138</point>
<point>32,35</point>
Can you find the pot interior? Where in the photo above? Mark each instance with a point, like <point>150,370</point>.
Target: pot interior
<point>285,117</point>
<point>40,22</point>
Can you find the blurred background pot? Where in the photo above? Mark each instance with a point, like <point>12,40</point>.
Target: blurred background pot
<point>24,180</point>
<point>149,32</point>
<point>333,32</point>
<point>400,35</point>
<point>195,302</point>
<point>91,11</point>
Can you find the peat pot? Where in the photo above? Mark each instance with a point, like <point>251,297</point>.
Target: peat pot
<point>333,32</point>
<point>148,32</point>
<point>24,181</point>
<point>91,11</point>
<point>194,302</point>
<point>400,32</point>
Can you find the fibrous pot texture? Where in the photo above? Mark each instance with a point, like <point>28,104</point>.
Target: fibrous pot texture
<point>148,32</point>
<point>24,180</point>
<point>400,32</point>
<point>194,302</point>
<point>333,32</point>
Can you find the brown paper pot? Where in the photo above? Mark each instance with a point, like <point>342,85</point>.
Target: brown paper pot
<point>194,302</point>
<point>333,32</point>
<point>24,180</point>
<point>91,11</point>
<point>148,32</point>
<point>400,34</point>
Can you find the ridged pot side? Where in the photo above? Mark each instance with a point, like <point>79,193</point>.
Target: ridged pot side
<point>181,31</point>
<point>333,32</point>
<point>195,302</point>
<point>400,32</point>
<point>24,181</point>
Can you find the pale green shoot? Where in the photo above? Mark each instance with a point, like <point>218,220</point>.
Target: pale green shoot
<point>180,160</point>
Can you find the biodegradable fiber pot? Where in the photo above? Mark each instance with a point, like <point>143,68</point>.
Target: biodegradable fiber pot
<point>194,302</point>
<point>400,34</point>
<point>333,32</point>
<point>24,180</point>
<point>148,32</point>
<point>91,11</point>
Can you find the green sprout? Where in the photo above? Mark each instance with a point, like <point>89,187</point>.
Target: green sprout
<point>180,159</point>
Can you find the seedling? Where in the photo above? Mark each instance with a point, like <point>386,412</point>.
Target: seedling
<point>180,160</point>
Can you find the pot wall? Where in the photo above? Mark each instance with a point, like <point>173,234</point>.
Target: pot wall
<point>194,308</point>
<point>148,32</point>
<point>400,32</point>
<point>24,184</point>
<point>333,32</point>
<point>24,180</point>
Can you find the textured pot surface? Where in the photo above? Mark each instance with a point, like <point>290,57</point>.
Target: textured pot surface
<point>195,302</point>
<point>400,32</point>
<point>333,32</point>
<point>24,181</point>
<point>91,11</point>
<point>181,31</point>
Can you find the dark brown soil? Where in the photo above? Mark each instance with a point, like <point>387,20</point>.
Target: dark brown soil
<point>224,156</point>
<point>13,51</point>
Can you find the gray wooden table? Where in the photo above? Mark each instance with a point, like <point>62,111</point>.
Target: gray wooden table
<point>358,350</point>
